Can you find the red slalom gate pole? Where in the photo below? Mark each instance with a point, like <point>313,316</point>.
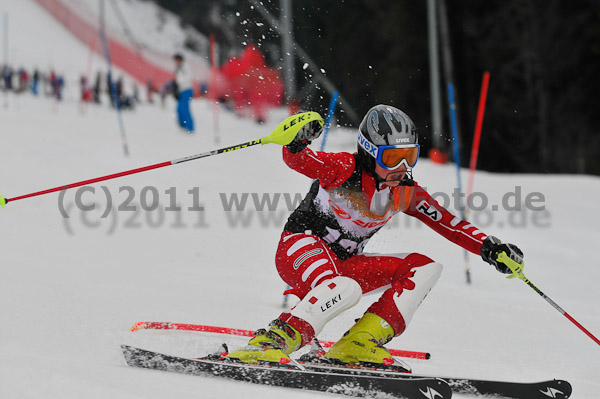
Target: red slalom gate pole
<point>159,325</point>
<point>478,126</point>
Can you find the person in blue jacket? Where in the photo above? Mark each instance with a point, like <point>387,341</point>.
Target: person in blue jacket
<point>183,89</point>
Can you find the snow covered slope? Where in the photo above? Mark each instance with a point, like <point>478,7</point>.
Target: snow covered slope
<point>150,30</point>
<point>36,41</point>
<point>70,289</point>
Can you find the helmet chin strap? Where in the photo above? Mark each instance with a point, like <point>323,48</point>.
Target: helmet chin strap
<point>407,180</point>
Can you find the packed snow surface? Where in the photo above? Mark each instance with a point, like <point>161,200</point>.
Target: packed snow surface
<point>70,288</point>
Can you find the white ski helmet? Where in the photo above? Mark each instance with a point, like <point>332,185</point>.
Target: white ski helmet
<point>388,137</point>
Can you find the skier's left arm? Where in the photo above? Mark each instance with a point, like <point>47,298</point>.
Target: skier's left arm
<point>429,211</point>
<point>425,208</point>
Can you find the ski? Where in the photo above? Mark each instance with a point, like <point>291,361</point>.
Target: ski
<point>353,383</point>
<point>349,380</point>
<point>555,389</point>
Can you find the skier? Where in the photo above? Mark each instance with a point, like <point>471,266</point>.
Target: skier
<point>184,93</point>
<point>320,254</point>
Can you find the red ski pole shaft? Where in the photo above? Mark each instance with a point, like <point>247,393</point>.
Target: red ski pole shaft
<point>90,181</point>
<point>4,201</point>
<point>561,310</point>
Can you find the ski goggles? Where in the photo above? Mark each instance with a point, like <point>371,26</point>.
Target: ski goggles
<point>391,157</point>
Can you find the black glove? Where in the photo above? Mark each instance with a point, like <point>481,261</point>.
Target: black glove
<point>492,247</point>
<point>305,136</point>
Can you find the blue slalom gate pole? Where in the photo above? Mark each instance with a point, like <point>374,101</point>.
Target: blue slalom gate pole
<point>456,152</point>
<point>332,105</point>
<point>113,87</point>
<point>455,138</point>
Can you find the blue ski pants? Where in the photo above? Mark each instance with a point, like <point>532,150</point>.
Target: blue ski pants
<point>184,115</point>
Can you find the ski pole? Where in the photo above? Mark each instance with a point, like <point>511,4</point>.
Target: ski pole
<point>517,270</point>
<point>283,134</point>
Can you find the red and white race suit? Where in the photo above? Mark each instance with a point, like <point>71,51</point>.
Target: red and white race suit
<point>325,236</point>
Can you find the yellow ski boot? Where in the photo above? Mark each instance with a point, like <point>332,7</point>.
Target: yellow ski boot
<point>363,345</point>
<point>270,346</point>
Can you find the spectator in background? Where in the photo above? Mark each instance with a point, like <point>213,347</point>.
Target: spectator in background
<point>136,94</point>
<point>58,84</point>
<point>51,80</point>
<point>125,101</point>
<point>183,90</point>
<point>23,77</point>
<point>7,75</point>
<point>119,90</point>
<point>110,86</point>
<point>35,81</point>
<point>149,91</point>
<point>96,88</point>
<point>85,90</point>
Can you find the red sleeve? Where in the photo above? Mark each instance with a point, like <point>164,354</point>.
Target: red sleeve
<point>332,169</point>
<point>430,212</point>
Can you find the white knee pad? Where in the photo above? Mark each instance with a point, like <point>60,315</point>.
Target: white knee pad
<point>425,278</point>
<point>328,300</point>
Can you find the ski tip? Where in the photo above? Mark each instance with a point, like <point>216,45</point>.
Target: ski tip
<point>3,201</point>
<point>137,326</point>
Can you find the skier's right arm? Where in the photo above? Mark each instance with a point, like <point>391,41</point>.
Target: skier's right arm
<point>331,169</point>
